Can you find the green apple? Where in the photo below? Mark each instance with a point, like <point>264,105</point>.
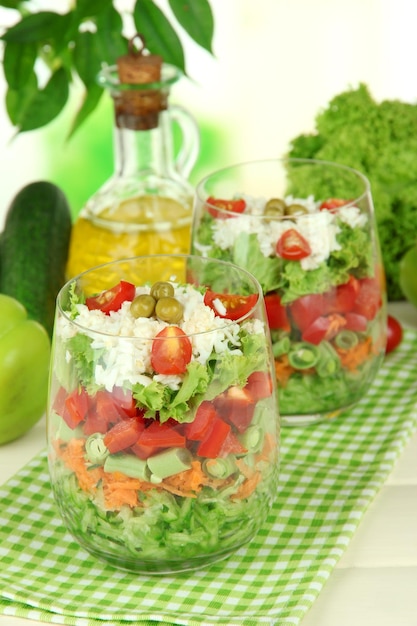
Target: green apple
<point>408,275</point>
<point>24,370</point>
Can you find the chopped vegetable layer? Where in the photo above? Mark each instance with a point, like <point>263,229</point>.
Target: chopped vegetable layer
<point>167,455</point>
<point>323,289</point>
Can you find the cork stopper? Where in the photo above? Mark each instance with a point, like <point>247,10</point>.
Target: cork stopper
<point>138,109</point>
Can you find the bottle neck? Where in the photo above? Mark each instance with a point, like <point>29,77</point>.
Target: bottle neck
<point>143,152</point>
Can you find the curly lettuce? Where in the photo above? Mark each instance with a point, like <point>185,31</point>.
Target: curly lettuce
<point>380,140</point>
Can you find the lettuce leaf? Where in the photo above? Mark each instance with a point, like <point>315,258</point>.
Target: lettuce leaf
<point>160,399</point>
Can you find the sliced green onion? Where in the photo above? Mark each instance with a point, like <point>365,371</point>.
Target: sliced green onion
<point>346,339</point>
<point>303,355</point>
<point>95,449</point>
<point>219,468</point>
<point>169,462</point>
<point>252,439</point>
<point>281,346</point>
<point>128,464</point>
<point>328,360</point>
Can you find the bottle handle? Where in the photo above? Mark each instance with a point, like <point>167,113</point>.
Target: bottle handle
<point>190,145</point>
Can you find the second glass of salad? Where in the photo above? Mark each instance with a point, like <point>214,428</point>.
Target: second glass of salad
<point>306,229</point>
<point>163,422</point>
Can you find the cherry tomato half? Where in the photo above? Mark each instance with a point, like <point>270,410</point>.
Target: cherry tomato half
<point>292,246</point>
<point>332,203</point>
<point>233,206</point>
<point>112,299</point>
<point>235,306</point>
<point>171,351</point>
<point>394,334</point>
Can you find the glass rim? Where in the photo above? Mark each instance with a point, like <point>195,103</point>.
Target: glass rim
<point>108,78</point>
<point>91,331</point>
<point>235,166</point>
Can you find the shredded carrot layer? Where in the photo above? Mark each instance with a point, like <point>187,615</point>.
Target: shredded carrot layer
<point>353,357</point>
<point>336,324</point>
<point>247,487</point>
<point>187,483</point>
<point>269,449</point>
<point>283,370</point>
<point>72,453</point>
<point>118,489</point>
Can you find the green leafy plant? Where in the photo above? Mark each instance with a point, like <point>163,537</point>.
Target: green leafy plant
<point>45,51</point>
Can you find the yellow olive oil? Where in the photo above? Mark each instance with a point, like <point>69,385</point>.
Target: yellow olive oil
<point>136,226</point>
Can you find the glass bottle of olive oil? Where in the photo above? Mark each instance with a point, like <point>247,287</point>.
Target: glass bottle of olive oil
<point>146,206</point>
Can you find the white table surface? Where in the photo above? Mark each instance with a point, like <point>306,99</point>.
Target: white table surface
<point>375,582</point>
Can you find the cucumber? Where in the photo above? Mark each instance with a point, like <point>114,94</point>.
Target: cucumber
<point>34,249</point>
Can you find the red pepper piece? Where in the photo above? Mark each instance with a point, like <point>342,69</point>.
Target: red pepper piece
<point>124,434</point>
<point>212,444</point>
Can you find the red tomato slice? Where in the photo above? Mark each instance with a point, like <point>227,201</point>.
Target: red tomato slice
<point>236,406</point>
<point>317,331</point>
<point>342,298</point>
<point>213,442</point>
<point>394,334</point>
<point>231,445</point>
<point>259,385</point>
<point>124,401</point>
<point>292,246</point>
<point>332,203</point>
<point>171,351</point>
<point>356,322</point>
<point>112,299</point>
<point>306,309</point>
<point>368,300</point>
<point>276,312</point>
<point>76,407</point>
<point>103,413</point>
<point>58,404</point>
<point>233,206</point>
<point>123,435</point>
<point>202,423</point>
<point>158,435</point>
<point>235,306</point>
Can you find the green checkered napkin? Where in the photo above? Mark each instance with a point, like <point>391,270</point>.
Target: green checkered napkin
<point>329,475</point>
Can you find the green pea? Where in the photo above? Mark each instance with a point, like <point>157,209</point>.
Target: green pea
<point>169,310</point>
<point>275,207</point>
<point>162,289</point>
<point>143,306</point>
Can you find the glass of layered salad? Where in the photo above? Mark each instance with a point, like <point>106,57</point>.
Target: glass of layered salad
<point>306,230</point>
<point>163,423</point>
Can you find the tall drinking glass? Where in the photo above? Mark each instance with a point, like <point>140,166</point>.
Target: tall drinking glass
<point>163,420</point>
<point>306,230</point>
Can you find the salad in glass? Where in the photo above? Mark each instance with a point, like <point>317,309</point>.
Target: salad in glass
<point>163,422</point>
<point>314,249</point>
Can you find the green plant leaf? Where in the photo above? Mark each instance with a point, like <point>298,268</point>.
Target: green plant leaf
<point>91,8</point>
<point>87,57</point>
<point>39,27</point>
<point>111,43</point>
<point>17,99</point>
<point>90,101</point>
<point>46,103</point>
<point>10,4</point>
<point>160,36</point>
<point>196,18</point>
<point>18,63</point>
